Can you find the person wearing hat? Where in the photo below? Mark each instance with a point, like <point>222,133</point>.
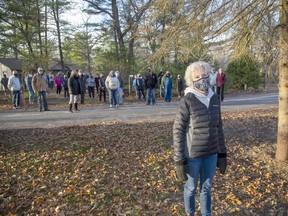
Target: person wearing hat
<point>40,85</point>
<point>198,139</point>
<point>14,86</point>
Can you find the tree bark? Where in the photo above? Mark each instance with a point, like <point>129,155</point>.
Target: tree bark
<point>282,137</point>
<point>57,21</point>
<point>117,27</point>
<point>46,34</point>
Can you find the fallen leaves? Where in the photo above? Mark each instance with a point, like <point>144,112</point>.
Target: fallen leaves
<point>113,168</point>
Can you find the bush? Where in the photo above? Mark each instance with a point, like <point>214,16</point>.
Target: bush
<point>244,70</point>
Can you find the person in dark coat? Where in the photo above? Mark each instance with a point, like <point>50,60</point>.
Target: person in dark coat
<point>102,88</point>
<point>4,82</point>
<point>198,139</point>
<point>140,87</point>
<point>97,78</point>
<point>160,76</point>
<point>74,90</point>
<point>151,83</point>
<point>180,86</point>
<point>82,81</point>
<point>65,87</point>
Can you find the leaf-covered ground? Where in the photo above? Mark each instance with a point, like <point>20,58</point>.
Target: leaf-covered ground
<point>127,169</point>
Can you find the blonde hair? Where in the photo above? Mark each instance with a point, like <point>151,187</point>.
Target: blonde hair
<point>192,68</point>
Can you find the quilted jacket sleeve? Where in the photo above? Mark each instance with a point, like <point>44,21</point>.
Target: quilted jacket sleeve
<point>180,127</point>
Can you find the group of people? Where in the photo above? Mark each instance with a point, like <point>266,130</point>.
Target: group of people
<point>147,84</point>
<point>198,138</point>
<point>151,82</point>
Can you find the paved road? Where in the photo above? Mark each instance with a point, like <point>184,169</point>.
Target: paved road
<point>127,113</point>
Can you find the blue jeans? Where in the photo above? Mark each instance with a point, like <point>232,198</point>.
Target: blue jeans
<point>43,94</point>
<point>31,96</point>
<point>16,98</point>
<point>205,167</point>
<point>113,96</point>
<point>168,95</point>
<point>151,91</point>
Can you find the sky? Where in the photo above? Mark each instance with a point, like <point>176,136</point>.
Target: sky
<point>75,16</point>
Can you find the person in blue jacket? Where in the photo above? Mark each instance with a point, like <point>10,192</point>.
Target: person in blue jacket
<point>135,86</point>
<point>168,87</point>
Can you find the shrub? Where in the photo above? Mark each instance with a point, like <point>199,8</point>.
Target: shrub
<point>244,70</point>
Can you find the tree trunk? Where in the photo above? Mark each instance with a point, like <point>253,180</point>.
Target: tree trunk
<point>57,21</point>
<point>46,34</point>
<point>118,30</point>
<point>39,29</point>
<point>282,137</point>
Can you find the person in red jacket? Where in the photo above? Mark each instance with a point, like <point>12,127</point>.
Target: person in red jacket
<point>221,79</point>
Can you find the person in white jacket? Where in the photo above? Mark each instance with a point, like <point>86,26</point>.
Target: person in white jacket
<point>14,86</point>
<point>112,84</point>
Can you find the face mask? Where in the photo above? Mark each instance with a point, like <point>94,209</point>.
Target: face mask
<point>30,75</point>
<point>40,72</point>
<point>202,84</point>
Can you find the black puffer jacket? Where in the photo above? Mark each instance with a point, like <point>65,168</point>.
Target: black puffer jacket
<point>197,130</point>
<point>74,85</point>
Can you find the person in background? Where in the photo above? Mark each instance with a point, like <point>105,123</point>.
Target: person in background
<point>14,86</point>
<point>140,87</point>
<point>82,81</point>
<point>4,82</point>
<point>198,139</point>
<point>151,83</point>
<point>51,80</point>
<point>102,88</point>
<point>58,83</point>
<point>65,87</point>
<point>40,85</point>
<point>213,80</point>
<point>167,87</point>
<point>135,86</point>
<point>24,86</point>
<point>221,80</point>
<point>120,89</point>
<point>28,82</point>
<point>97,78</point>
<point>74,90</point>
<point>160,75</point>
<point>112,84</point>
<point>180,85</point>
<point>90,82</point>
